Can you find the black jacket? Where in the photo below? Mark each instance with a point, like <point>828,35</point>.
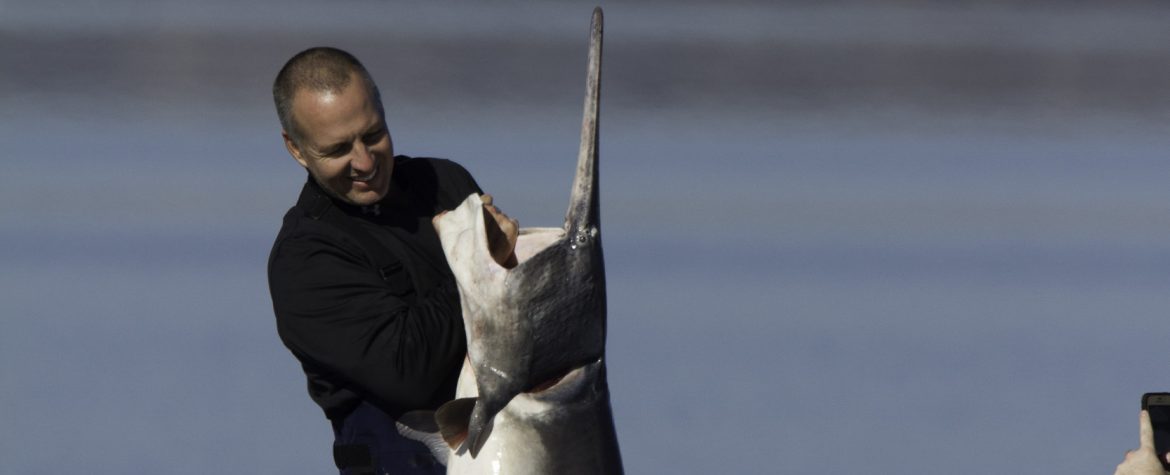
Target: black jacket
<point>364,297</point>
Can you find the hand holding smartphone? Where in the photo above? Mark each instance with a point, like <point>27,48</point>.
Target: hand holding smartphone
<point>1158,406</point>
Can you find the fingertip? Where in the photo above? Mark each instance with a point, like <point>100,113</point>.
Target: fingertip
<point>1146,431</point>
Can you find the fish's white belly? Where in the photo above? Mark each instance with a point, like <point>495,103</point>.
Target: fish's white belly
<point>512,448</point>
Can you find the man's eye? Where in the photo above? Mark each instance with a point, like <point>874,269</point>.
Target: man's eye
<point>373,137</point>
<point>336,151</point>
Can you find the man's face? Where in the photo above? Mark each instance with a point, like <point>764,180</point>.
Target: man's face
<point>344,144</point>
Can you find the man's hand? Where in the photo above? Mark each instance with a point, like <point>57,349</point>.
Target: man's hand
<point>1143,460</point>
<point>502,232</point>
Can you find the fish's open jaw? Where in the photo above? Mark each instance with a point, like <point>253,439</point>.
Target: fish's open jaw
<point>542,387</point>
<point>580,384</point>
<point>567,378</point>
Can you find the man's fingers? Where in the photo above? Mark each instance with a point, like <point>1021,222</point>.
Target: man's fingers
<point>1146,438</point>
<point>510,227</point>
<point>502,233</point>
<point>435,219</point>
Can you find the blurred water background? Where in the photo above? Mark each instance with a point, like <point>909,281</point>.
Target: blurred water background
<point>848,236</point>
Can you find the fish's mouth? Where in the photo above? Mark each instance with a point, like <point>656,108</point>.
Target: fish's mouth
<point>568,385</point>
<point>545,386</point>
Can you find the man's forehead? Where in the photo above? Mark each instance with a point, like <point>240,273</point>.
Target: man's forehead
<point>307,100</point>
<point>325,117</point>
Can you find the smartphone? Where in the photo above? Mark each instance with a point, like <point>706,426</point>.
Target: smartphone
<point>1158,405</point>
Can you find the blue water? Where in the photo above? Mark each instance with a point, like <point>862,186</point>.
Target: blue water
<point>865,281</point>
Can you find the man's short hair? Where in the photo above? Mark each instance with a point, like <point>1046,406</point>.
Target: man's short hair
<point>319,69</point>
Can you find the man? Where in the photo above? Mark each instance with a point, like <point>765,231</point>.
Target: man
<point>362,292</point>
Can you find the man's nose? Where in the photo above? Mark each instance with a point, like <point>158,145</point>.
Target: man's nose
<point>363,160</point>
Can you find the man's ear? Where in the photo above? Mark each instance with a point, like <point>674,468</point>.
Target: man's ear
<point>293,149</point>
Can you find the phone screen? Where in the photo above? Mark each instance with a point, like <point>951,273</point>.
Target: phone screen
<point>1159,408</point>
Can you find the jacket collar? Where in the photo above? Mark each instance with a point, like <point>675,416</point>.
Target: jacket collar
<point>316,202</point>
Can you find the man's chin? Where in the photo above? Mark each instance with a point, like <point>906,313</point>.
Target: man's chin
<point>365,198</point>
<point>355,195</point>
<point>357,198</point>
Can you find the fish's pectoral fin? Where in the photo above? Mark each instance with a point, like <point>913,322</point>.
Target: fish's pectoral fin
<point>453,418</point>
<point>422,426</point>
<point>479,426</point>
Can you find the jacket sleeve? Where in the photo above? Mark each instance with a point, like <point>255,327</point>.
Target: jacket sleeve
<point>336,315</point>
